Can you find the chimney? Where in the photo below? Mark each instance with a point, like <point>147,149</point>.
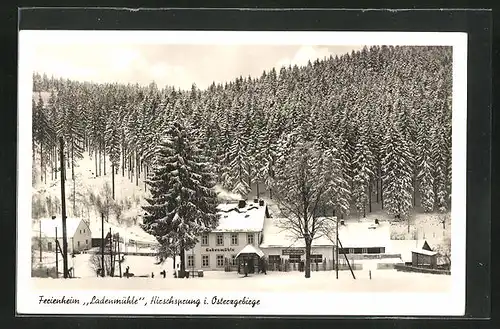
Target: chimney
<point>242,204</point>
<point>342,222</point>
<point>261,202</point>
<point>376,221</point>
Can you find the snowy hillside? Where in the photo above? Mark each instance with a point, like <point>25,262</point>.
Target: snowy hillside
<point>88,193</point>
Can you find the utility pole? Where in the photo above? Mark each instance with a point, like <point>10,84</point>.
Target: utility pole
<point>102,245</point>
<point>57,257</point>
<point>40,239</point>
<point>113,179</point>
<point>119,256</point>
<point>63,206</point>
<point>111,252</point>
<point>337,248</point>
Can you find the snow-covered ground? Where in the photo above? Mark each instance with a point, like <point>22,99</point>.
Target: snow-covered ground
<point>381,281</point>
<point>139,265</point>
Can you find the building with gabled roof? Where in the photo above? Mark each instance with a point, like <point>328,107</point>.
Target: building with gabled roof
<point>240,224</point>
<point>77,231</point>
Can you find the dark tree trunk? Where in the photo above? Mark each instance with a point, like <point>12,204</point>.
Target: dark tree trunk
<point>123,162</point>
<point>370,197</point>
<point>100,160</point>
<point>138,170</point>
<point>381,194</point>
<point>41,161</point>
<point>72,162</point>
<point>414,190</point>
<point>52,164</point>
<point>95,156</point>
<point>104,157</point>
<point>113,180</point>
<point>307,269</point>
<point>183,260</point>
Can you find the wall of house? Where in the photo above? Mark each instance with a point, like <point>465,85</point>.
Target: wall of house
<point>211,250</point>
<point>82,240</point>
<point>324,251</point>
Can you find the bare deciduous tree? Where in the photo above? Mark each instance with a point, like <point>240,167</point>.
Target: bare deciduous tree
<point>306,179</point>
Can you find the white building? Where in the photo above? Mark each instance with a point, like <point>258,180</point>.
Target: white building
<point>280,245</point>
<point>132,239</point>
<point>77,231</point>
<point>364,237</point>
<point>240,224</point>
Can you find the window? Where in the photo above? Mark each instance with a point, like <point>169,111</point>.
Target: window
<point>205,261</point>
<point>358,250</point>
<point>190,260</point>
<point>343,251</point>
<point>80,231</point>
<point>274,259</point>
<point>49,246</point>
<point>316,258</point>
<point>233,260</point>
<point>373,250</point>
<point>250,239</point>
<point>234,239</point>
<point>78,243</point>
<point>220,239</point>
<point>86,241</point>
<point>364,251</point>
<point>204,240</point>
<point>294,259</point>
<point>83,230</point>
<point>220,260</point>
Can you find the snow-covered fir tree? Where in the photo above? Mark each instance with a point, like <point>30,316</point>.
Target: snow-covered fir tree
<point>397,171</point>
<point>183,203</point>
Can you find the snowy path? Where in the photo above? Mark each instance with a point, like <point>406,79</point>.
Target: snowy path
<point>382,281</point>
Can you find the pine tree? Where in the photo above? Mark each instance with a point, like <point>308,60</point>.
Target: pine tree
<point>362,174</point>
<point>425,169</point>
<point>397,173</point>
<point>183,203</point>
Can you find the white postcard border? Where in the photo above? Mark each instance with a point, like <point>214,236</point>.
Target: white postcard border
<point>452,303</point>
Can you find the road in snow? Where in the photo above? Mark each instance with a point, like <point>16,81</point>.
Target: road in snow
<point>382,281</point>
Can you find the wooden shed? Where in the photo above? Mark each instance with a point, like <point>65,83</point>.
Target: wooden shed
<point>424,258</point>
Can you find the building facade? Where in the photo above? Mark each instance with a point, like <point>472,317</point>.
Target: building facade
<point>240,224</point>
<point>79,236</point>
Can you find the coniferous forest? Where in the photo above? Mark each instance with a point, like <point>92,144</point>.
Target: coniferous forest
<point>385,111</point>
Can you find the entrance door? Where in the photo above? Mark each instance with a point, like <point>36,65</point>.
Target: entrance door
<point>251,265</point>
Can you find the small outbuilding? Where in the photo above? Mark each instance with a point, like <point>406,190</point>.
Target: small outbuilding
<point>424,258</point>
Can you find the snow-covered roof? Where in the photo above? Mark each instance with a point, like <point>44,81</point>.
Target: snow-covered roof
<point>135,233</point>
<point>250,249</point>
<point>404,248</point>
<point>275,234</point>
<point>49,225</point>
<point>364,234</point>
<point>424,252</point>
<point>247,219</point>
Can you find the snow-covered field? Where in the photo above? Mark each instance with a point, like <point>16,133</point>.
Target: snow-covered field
<point>381,281</point>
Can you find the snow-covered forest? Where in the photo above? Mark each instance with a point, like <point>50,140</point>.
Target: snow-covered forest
<point>384,113</point>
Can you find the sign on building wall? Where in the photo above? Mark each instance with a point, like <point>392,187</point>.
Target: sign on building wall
<point>293,251</point>
<point>219,249</point>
